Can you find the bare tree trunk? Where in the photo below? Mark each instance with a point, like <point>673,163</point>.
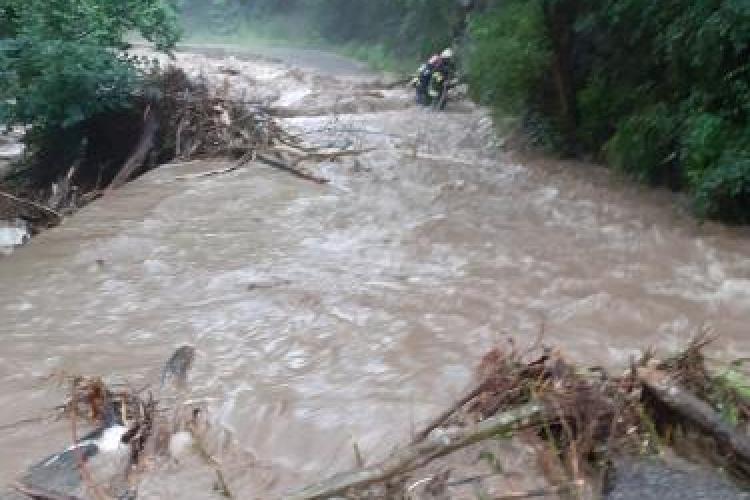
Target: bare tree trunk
<point>559,17</point>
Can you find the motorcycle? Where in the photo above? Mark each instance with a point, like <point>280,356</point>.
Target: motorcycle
<point>433,89</point>
<point>439,89</point>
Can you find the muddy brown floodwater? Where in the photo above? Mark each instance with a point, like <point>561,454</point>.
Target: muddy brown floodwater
<point>351,312</point>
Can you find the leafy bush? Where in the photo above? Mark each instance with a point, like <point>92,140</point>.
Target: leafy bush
<point>644,145</point>
<point>62,59</point>
<point>508,54</point>
<point>602,105</point>
<point>716,156</point>
<point>661,89</point>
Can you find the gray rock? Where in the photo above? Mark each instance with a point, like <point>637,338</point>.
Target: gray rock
<point>105,455</point>
<point>655,480</point>
<point>177,367</point>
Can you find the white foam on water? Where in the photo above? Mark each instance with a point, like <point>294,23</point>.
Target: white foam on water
<point>13,234</point>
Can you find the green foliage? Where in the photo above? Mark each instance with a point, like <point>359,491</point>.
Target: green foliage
<point>644,144</point>
<point>602,104</point>
<point>686,64</point>
<point>660,89</point>
<point>717,159</point>
<point>62,61</point>
<point>508,55</point>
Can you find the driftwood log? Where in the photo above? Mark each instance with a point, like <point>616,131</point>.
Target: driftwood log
<point>417,455</point>
<point>688,407</point>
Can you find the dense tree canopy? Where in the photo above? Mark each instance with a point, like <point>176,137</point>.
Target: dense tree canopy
<point>60,60</point>
<point>658,89</point>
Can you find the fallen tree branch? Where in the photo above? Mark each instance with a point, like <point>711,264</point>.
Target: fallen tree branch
<point>273,162</point>
<point>267,160</point>
<point>239,164</point>
<point>294,143</point>
<point>452,159</point>
<point>221,482</point>
<point>689,407</point>
<point>30,203</point>
<point>441,419</point>
<point>420,454</point>
<point>330,154</point>
<point>283,147</point>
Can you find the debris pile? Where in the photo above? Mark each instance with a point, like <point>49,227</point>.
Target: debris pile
<point>174,118</point>
<point>589,419</point>
<point>198,121</point>
<point>589,422</point>
<point>133,434</point>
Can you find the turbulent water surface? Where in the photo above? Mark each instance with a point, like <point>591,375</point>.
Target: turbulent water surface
<point>325,315</point>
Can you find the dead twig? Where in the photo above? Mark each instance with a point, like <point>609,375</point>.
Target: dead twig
<point>221,483</point>
<point>330,155</point>
<point>281,165</point>
<point>248,157</point>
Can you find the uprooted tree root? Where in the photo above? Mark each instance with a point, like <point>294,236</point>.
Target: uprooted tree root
<point>587,417</point>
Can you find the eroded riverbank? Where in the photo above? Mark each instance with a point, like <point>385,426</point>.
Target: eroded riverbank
<point>327,315</point>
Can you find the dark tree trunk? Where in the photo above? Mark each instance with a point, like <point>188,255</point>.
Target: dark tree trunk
<point>559,17</point>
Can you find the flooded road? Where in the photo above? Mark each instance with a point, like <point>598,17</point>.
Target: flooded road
<point>349,313</point>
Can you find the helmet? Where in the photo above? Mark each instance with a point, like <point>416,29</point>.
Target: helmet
<point>434,60</point>
<point>447,54</point>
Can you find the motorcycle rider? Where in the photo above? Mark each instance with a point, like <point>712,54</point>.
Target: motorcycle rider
<point>443,79</point>
<point>422,79</point>
<point>434,78</point>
